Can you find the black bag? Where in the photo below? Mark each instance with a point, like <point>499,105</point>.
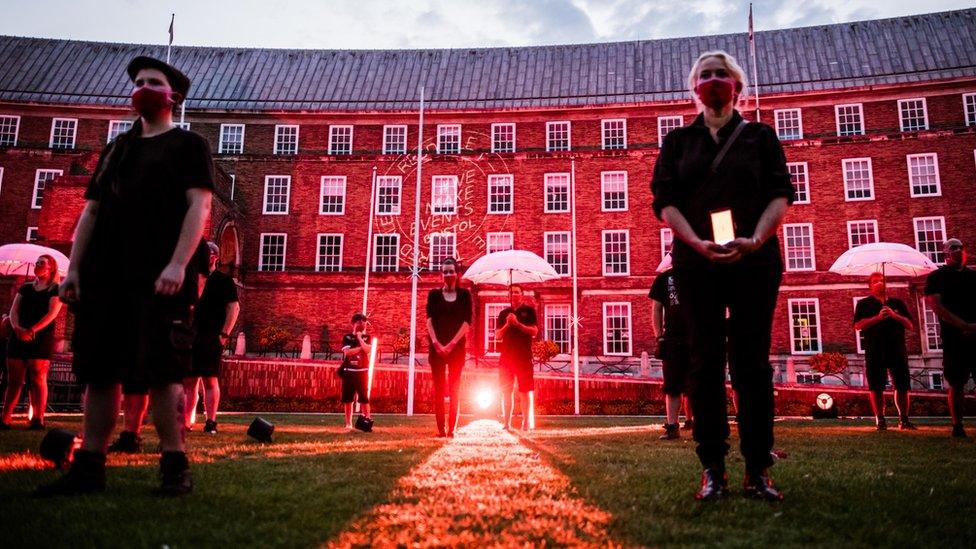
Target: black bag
<point>343,370</point>
<point>364,424</point>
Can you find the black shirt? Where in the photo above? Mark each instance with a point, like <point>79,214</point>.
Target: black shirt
<point>447,317</point>
<point>358,362</point>
<point>34,305</point>
<point>884,342</point>
<point>663,291</point>
<point>957,288</point>
<point>752,174</point>
<point>142,205</point>
<point>516,345</point>
<point>211,312</point>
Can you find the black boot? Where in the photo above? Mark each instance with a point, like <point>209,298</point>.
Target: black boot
<point>714,485</point>
<point>127,443</point>
<point>85,476</point>
<point>760,486</point>
<point>670,432</point>
<point>174,469</point>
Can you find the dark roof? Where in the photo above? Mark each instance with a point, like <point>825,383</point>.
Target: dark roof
<point>886,51</point>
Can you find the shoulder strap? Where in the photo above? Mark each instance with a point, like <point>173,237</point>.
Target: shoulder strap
<point>726,147</point>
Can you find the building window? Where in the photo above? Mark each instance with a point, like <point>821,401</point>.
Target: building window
<point>286,140</point>
<point>444,195</point>
<point>616,253</point>
<point>499,242</point>
<point>913,115</point>
<point>276,191</point>
<point>501,189</point>
<point>448,139</point>
<point>850,120</point>
<point>31,234</point>
<point>41,179</point>
<point>503,138</point>
<point>386,253</point>
<point>9,129</point>
<point>929,237</point>
<point>801,184</point>
<point>858,334</point>
<point>936,381</point>
<point>394,139</point>
<point>557,326</point>
<point>388,194</point>
<point>442,246</point>
<point>616,329</point>
<point>557,136</point>
<point>117,128</point>
<point>557,192</point>
<point>665,124</point>
<point>809,378</point>
<point>862,232</point>
<point>63,131</point>
<point>932,330</point>
<point>614,186</point>
<point>804,326</point>
<point>858,179</point>
<point>798,242</point>
<point>182,125</point>
<point>340,140</point>
<point>667,242</point>
<point>231,139</point>
<point>332,199</point>
<point>923,175</point>
<point>492,310</point>
<point>789,124</point>
<point>968,105</point>
<point>614,134</point>
<point>556,250</point>
<point>272,256</point>
<point>329,255</point>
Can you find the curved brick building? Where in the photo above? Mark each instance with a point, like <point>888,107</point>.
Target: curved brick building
<point>878,119</point>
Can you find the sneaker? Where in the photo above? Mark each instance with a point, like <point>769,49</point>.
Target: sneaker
<point>958,431</point>
<point>670,432</point>
<point>689,424</point>
<point>714,485</point>
<point>760,486</point>
<point>36,424</point>
<point>174,470</point>
<point>85,476</point>
<point>905,424</point>
<point>127,443</point>
<point>881,424</point>
<point>210,427</point>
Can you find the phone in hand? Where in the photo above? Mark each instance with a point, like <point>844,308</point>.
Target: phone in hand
<point>723,227</point>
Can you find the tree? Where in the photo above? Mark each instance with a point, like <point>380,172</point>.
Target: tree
<point>830,365</point>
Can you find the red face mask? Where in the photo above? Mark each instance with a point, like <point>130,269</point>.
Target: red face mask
<point>716,92</point>
<point>149,102</point>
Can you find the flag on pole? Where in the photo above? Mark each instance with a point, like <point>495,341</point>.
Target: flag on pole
<point>172,19</point>
<point>751,34</point>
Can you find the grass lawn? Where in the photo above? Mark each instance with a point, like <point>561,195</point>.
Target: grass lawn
<point>845,484</point>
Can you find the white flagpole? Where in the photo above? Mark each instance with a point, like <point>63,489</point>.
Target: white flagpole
<point>755,71</point>
<point>369,240</point>
<point>575,319</point>
<point>415,270</point>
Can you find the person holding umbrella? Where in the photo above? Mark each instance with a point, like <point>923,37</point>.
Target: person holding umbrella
<point>516,327</point>
<point>449,316</point>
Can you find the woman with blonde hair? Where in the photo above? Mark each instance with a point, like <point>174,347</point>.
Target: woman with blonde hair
<point>30,347</point>
<point>722,185</point>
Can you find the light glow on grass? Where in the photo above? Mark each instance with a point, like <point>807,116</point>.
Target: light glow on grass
<point>484,398</point>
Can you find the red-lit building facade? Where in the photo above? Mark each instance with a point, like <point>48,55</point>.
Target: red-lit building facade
<point>878,120</point>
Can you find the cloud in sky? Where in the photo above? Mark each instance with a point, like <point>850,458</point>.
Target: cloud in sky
<point>380,24</point>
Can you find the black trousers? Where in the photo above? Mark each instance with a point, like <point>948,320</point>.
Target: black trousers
<point>448,367</point>
<point>749,292</point>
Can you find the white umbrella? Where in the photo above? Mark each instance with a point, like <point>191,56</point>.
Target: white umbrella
<point>510,267</point>
<point>19,259</point>
<point>887,258</point>
<point>665,263</point>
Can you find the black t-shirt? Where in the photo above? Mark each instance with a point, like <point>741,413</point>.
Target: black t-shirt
<point>34,305</point>
<point>664,291</point>
<point>447,317</point>
<point>957,288</point>
<point>358,362</point>
<point>516,345</point>
<point>142,205</point>
<point>211,312</point>
<point>884,342</point>
<point>751,175</point>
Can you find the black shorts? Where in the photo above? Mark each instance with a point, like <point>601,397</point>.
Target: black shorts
<point>39,348</point>
<point>877,374</point>
<point>355,384</point>
<point>676,359</point>
<point>522,372</point>
<point>207,350</point>
<point>141,342</point>
<point>959,360</point>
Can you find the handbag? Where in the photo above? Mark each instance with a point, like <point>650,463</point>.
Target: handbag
<point>364,424</point>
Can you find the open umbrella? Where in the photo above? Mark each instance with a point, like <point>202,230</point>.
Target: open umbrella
<point>19,259</point>
<point>665,263</point>
<point>510,267</point>
<point>887,258</point>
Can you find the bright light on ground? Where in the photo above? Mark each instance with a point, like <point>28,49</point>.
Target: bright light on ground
<point>485,397</point>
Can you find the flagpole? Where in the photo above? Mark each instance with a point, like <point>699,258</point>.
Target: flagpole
<point>369,241</point>
<point>575,319</point>
<point>170,45</point>
<point>415,269</point>
<point>755,71</point>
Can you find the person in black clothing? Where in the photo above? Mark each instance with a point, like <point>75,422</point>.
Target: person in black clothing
<point>950,291</point>
<point>213,319</point>
<point>693,185</point>
<point>31,344</point>
<point>354,370</point>
<point>883,321</point>
<point>448,321</point>
<point>673,349</point>
<point>130,281</point>
<point>515,328</point>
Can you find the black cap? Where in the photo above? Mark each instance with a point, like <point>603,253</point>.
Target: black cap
<point>358,316</point>
<point>177,80</point>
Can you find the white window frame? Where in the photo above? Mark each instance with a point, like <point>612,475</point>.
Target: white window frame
<point>545,190</point>
<point>511,193</point>
<point>332,139</point>
<point>546,248</point>
<point>941,384</point>
<point>786,249</point>
<point>442,130</point>
<point>277,138</point>
<point>396,256</point>
<point>661,134</point>
<point>33,230</point>
<point>319,267</point>
<point>969,108</point>
<point>799,122</point>
<point>386,143</point>
<point>925,114</point>
<point>341,179</point>
<point>819,325</point>
<point>630,329</point>
<point>603,250</point>
<point>857,333</point>
<point>853,222</point>
<point>74,133</point>
<point>16,119</point>
<point>929,328</point>
<point>847,189</point>
<point>806,181</point>
<point>494,147</point>
<point>389,181</point>
<point>911,183</point>
<point>435,265</point>
<point>603,133</point>
<point>221,144</point>
<point>284,253</point>
<point>499,235</point>
<point>860,113</point>
<point>113,124</point>
<point>37,197</point>
<point>603,191</point>
<point>555,310</point>
<point>492,310</point>
<point>267,182</point>
<point>938,249</point>
<point>569,135</point>
<point>451,207</point>
<point>182,125</point>
<point>667,241</point>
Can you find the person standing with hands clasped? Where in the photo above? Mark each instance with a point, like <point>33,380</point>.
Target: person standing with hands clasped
<point>722,186</point>
<point>130,281</point>
<point>517,326</point>
<point>355,368</point>
<point>448,321</point>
